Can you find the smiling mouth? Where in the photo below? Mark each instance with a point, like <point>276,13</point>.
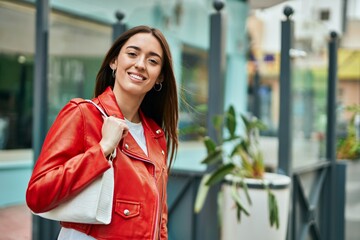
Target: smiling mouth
<point>137,77</point>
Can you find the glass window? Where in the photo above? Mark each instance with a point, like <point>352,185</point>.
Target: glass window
<point>309,89</point>
<point>309,76</point>
<point>16,74</point>
<point>194,91</point>
<point>76,50</point>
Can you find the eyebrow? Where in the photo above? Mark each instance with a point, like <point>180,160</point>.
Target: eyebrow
<point>139,49</point>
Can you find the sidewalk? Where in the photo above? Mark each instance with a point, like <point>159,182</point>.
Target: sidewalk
<point>15,223</point>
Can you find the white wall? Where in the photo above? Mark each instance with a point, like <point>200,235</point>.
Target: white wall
<point>67,36</point>
<point>21,24</point>
<point>306,19</point>
<point>353,9</point>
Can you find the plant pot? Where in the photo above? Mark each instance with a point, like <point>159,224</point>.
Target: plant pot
<point>257,226</point>
<point>352,206</point>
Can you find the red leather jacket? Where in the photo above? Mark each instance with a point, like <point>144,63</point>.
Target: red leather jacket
<point>71,158</point>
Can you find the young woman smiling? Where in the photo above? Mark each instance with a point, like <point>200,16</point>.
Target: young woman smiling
<point>136,88</point>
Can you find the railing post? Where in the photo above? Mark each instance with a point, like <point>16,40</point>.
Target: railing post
<point>285,118</point>
<point>338,213</point>
<point>42,229</point>
<point>285,121</point>
<point>207,226</point>
<point>331,99</point>
<point>335,199</point>
<point>119,27</point>
<point>216,69</point>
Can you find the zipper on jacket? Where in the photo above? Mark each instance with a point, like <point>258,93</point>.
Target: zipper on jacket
<point>162,200</point>
<point>157,195</point>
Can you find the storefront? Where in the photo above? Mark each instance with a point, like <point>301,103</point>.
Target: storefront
<point>79,36</point>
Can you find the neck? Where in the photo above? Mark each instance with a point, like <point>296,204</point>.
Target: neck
<point>129,106</point>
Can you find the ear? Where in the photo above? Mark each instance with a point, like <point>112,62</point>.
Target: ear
<point>113,64</point>
<point>160,79</point>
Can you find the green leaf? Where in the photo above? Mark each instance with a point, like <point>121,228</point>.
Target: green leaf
<point>259,124</point>
<point>238,148</point>
<point>273,210</point>
<point>245,161</point>
<point>236,197</point>
<point>214,157</point>
<point>217,122</point>
<point>209,144</point>
<point>245,145</point>
<point>220,173</point>
<point>231,138</point>
<point>238,212</point>
<point>235,150</point>
<point>245,121</point>
<point>246,191</point>
<point>231,121</point>
<point>192,129</point>
<point>220,200</point>
<point>201,193</point>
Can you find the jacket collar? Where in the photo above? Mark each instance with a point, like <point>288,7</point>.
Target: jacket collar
<point>108,102</point>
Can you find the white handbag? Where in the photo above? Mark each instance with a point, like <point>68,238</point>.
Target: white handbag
<point>92,205</point>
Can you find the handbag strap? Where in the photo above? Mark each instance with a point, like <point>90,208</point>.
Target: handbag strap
<point>113,154</point>
<point>97,106</point>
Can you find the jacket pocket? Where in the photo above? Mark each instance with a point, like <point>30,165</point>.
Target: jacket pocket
<point>127,209</point>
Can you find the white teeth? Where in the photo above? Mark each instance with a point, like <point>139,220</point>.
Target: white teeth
<point>136,77</point>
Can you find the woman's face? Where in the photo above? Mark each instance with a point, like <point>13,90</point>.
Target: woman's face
<point>138,65</point>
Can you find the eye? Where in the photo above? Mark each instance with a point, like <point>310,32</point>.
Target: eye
<point>153,61</point>
<point>131,54</point>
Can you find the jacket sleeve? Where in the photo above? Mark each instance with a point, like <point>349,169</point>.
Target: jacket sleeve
<point>66,163</point>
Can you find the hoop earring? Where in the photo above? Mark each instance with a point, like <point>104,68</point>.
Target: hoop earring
<point>113,73</point>
<point>158,89</point>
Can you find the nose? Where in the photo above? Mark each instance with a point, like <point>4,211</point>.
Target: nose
<point>140,63</point>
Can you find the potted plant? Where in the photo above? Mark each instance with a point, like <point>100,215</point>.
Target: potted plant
<point>348,151</point>
<point>236,162</point>
<point>348,147</point>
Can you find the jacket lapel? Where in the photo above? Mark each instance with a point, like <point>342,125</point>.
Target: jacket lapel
<point>108,101</point>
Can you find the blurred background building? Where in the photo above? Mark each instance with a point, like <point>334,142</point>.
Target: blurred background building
<point>80,32</point>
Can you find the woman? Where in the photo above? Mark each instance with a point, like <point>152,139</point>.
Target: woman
<point>136,87</point>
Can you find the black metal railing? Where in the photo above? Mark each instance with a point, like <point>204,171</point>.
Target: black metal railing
<point>183,223</point>
<point>317,208</point>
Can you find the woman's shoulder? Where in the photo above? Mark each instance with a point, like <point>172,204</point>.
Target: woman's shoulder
<point>78,101</point>
<point>78,106</point>
<point>88,106</point>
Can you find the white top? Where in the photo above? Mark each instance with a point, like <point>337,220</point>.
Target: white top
<point>72,234</point>
<point>137,131</point>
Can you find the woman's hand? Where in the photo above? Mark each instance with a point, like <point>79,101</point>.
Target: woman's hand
<point>113,130</point>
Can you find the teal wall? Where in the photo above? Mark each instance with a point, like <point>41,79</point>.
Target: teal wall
<point>14,177</point>
<point>237,47</point>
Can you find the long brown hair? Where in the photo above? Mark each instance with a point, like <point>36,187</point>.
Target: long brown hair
<point>161,106</point>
